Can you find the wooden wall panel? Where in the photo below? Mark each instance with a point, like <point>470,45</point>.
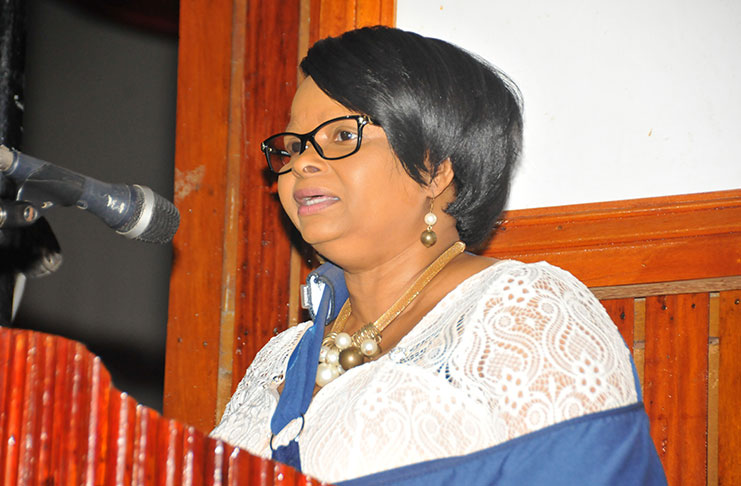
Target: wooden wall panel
<point>621,311</point>
<point>729,389</point>
<point>629,242</point>
<point>675,383</point>
<point>338,16</point>
<point>196,290</point>
<point>270,60</point>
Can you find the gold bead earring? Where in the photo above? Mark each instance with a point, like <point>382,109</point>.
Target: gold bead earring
<point>428,237</point>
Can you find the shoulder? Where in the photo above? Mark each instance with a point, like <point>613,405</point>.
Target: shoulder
<point>541,339</point>
<point>255,389</point>
<point>271,361</point>
<point>546,300</point>
<point>512,282</point>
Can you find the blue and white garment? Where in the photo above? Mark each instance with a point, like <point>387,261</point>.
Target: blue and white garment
<point>517,376</point>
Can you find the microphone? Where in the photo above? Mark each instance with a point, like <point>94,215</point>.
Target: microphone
<point>132,210</point>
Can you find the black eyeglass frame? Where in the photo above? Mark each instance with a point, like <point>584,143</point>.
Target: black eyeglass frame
<point>305,138</point>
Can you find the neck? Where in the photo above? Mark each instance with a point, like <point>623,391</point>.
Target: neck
<point>375,288</point>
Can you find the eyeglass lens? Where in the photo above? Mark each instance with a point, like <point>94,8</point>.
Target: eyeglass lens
<point>332,140</point>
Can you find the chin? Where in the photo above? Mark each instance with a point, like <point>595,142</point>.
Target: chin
<point>331,247</point>
<point>318,238</point>
<point>321,230</point>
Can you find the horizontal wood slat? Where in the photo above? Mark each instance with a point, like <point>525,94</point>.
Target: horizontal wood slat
<point>630,242</point>
<point>668,288</point>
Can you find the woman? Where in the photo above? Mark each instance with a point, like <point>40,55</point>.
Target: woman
<point>397,155</point>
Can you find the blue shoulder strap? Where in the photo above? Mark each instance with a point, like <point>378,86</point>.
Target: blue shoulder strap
<point>329,282</point>
<point>600,449</point>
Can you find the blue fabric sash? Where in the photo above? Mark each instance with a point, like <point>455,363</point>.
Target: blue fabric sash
<point>605,448</point>
<point>301,371</point>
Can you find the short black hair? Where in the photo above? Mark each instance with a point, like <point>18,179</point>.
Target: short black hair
<point>435,101</point>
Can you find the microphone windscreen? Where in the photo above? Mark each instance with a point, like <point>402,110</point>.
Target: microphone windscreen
<point>154,218</point>
<point>164,223</point>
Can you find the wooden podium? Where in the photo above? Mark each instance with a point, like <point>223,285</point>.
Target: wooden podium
<point>63,423</point>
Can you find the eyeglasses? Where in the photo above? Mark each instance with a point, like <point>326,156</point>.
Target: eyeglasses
<point>334,139</point>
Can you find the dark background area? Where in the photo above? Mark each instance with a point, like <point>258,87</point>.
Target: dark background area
<point>100,99</point>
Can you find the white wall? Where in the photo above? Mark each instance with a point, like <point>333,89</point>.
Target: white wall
<point>622,99</point>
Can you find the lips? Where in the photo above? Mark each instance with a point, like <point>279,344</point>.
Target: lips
<point>313,200</point>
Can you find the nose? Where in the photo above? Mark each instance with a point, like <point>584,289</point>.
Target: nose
<point>309,161</point>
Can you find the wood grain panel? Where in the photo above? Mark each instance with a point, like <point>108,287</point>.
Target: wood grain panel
<point>675,383</point>
<point>63,423</point>
<point>639,338</point>
<point>375,12</point>
<point>5,391</point>
<point>338,16</point>
<point>621,311</point>
<point>204,68</point>
<point>629,242</point>
<point>729,389</point>
<point>44,450</point>
<point>713,367</point>
<point>264,248</point>
<point>335,17</point>
<point>12,407</point>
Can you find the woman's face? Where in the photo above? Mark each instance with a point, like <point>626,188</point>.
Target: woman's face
<point>357,207</point>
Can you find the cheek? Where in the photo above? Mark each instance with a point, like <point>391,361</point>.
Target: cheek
<point>389,196</point>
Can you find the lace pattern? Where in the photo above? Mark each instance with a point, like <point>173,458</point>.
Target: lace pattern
<point>513,349</point>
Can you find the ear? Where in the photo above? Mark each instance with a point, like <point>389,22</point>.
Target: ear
<point>443,179</point>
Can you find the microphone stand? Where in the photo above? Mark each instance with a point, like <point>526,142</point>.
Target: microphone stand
<point>27,243</point>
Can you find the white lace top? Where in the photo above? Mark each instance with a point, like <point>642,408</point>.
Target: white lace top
<point>512,349</point>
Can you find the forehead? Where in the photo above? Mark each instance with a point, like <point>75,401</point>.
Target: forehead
<point>312,106</point>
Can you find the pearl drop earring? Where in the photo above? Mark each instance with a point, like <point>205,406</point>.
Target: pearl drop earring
<point>428,237</point>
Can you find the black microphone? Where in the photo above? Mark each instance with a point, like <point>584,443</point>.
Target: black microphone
<point>132,210</point>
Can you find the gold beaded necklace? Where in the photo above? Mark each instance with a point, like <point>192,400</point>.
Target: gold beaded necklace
<point>341,351</point>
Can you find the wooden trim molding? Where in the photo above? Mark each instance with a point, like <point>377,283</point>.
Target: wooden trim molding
<point>718,284</point>
<point>636,241</point>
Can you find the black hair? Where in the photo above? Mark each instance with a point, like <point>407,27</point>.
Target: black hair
<point>435,101</point>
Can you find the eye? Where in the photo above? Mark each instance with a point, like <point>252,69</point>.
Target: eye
<point>346,136</point>
<point>293,146</point>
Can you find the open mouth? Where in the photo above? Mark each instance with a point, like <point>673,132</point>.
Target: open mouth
<point>314,200</point>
